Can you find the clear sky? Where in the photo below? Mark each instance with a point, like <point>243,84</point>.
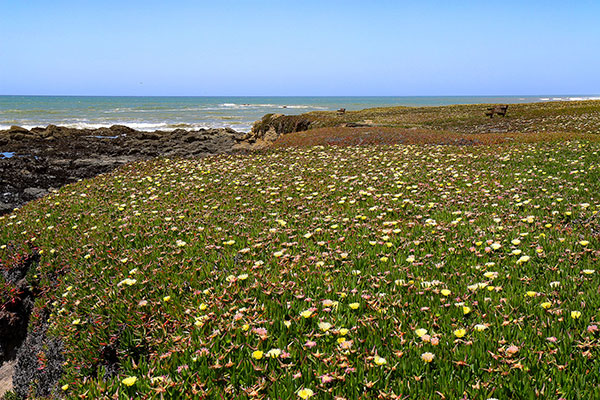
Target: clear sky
<point>301,47</point>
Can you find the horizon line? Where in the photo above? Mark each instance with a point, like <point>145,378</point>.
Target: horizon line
<point>240,95</point>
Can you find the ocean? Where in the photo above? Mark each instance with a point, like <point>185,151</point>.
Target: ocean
<point>239,113</point>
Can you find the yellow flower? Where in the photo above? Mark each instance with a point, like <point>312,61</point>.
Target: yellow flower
<point>380,360</point>
<point>129,381</point>
<point>420,332</point>
<point>274,353</point>
<point>76,321</point>
<point>584,243</point>
<point>343,331</point>
<point>523,259</point>
<point>495,246</point>
<point>257,355</point>
<point>287,324</point>
<point>466,310</point>
<point>341,340</point>
<point>383,259</point>
<point>127,282</point>
<point>480,327</point>
<point>531,293</point>
<point>575,314</point>
<point>546,305</point>
<point>167,298</point>
<point>354,306</point>
<point>245,327</point>
<point>491,275</point>
<point>588,271</point>
<point>324,326</point>
<point>65,387</point>
<point>306,313</point>
<point>410,259</point>
<point>305,393</point>
<point>427,357</point>
<point>446,292</point>
<point>203,307</point>
<point>460,333</point>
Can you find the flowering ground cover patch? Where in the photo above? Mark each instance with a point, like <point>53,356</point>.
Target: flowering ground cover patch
<point>393,272</point>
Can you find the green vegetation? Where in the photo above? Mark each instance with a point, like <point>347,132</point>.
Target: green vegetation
<point>572,116</point>
<point>327,272</point>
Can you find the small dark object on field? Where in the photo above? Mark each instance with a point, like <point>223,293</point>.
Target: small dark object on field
<point>500,110</point>
<point>341,111</point>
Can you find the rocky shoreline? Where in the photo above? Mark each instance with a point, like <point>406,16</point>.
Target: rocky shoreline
<point>34,162</point>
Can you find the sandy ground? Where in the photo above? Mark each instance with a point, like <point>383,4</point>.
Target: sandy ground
<point>6,373</point>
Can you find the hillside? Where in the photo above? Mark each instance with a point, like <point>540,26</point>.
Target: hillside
<point>443,124</point>
<point>390,271</point>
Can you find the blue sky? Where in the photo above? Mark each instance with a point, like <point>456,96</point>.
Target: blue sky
<point>304,47</point>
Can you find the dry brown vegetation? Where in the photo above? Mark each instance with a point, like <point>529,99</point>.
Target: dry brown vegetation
<point>345,136</point>
<point>451,125</point>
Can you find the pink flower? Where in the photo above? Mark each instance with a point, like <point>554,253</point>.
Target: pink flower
<point>552,339</point>
<point>512,349</point>
<point>203,352</point>
<point>326,378</point>
<point>260,331</point>
<point>310,344</point>
<point>435,341</point>
<point>182,368</point>
<point>592,328</point>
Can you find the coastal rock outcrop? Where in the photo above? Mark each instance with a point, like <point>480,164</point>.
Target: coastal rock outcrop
<point>33,162</point>
<point>270,128</point>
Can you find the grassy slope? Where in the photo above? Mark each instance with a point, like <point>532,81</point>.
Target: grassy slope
<point>457,124</point>
<point>577,116</point>
<point>187,267</point>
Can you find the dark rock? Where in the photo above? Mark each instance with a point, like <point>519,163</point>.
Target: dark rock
<point>191,137</point>
<point>18,129</point>
<point>35,193</point>
<point>55,155</point>
<point>52,130</point>
<point>148,136</point>
<point>17,136</point>
<point>270,128</point>
<point>121,130</point>
<point>30,375</point>
<point>14,315</point>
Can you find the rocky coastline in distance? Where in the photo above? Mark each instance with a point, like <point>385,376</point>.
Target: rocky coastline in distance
<point>37,161</point>
<point>34,162</point>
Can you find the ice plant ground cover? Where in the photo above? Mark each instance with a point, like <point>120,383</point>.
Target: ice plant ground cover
<point>351,272</point>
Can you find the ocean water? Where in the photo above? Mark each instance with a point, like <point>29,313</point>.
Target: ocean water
<point>239,113</point>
